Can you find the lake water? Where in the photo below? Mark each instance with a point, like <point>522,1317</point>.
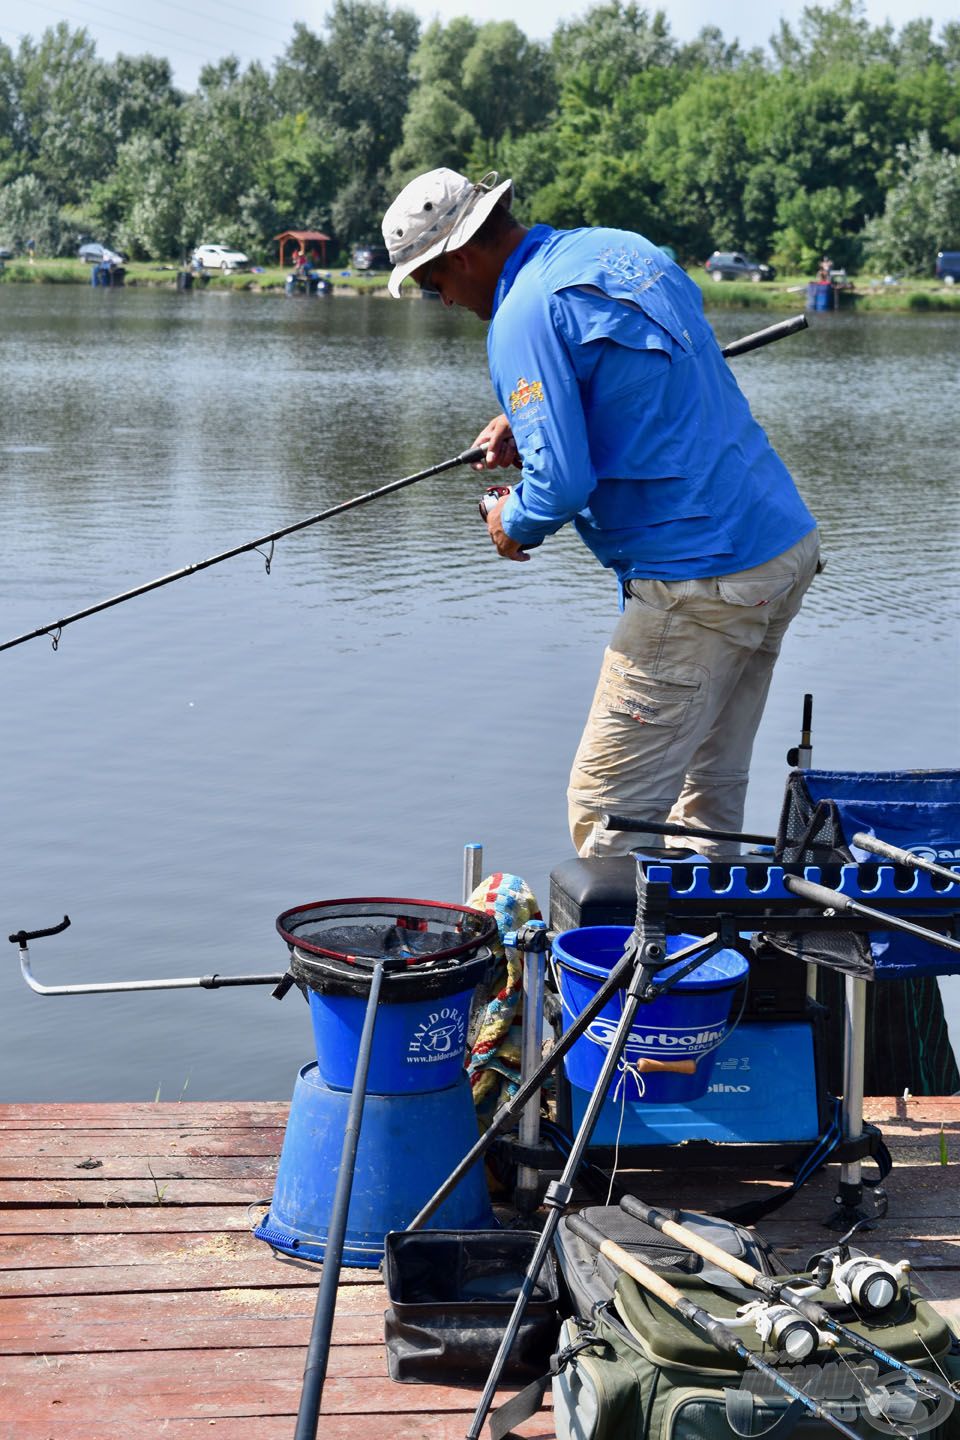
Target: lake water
<point>190,764</point>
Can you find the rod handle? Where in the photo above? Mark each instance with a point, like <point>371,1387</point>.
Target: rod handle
<point>688,1238</point>
<point>765,336</point>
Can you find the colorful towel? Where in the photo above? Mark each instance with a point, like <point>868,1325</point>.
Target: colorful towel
<point>494,1045</point>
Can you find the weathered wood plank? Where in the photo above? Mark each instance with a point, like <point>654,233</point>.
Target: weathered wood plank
<point>123,1220</point>
<point>79,1143</point>
<point>201,1384</point>
<point>385,1424</point>
<point>35,1194</point>
<point>122,1115</point>
<point>65,1251</point>
<point>236,1271</point>
<point>187,1320</point>
<point>128,1316</point>
<point>149,1165</point>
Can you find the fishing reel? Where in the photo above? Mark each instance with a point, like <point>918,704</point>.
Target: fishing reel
<point>865,1283</point>
<point>869,1285</point>
<point>780,1327</point>
<point>860,1280</point>
<point>491,497</point>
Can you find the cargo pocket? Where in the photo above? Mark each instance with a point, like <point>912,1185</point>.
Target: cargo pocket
<point>647,699</point>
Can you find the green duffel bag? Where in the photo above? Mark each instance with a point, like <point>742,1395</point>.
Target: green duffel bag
<point>637,1372</point>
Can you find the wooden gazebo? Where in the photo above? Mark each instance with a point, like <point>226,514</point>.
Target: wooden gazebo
<point>302,239</point>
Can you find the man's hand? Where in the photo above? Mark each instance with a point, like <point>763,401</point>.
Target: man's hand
<point>509,549</point>
<point>497,439</point>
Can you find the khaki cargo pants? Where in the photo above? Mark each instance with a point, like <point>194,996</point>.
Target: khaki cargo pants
<point>680,696</point>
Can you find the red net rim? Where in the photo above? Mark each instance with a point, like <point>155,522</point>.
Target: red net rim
<point>402,906</point>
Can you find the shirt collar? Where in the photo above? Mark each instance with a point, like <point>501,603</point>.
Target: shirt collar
<point>532,241</point>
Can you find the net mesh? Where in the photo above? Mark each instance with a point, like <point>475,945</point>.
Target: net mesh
<point>364,930</point>
<point>809,833</point>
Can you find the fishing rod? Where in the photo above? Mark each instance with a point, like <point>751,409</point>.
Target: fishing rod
<point>714,1330</point>
<point>904,857</point>
<point>473,456</point>
<point>769,333</point>
<point>833,903</point>
<point>782,1291</point>
<point>467,457</point>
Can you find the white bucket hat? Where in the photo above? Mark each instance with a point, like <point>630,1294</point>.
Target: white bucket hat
<point>438,211</point>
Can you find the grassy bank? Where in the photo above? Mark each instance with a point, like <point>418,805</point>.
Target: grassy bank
<point>869,293</point>
<point>151,273</point>
<point>783,295</point>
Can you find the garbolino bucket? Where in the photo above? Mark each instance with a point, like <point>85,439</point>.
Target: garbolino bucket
<point>684,1027</point>
<point>438,955</point>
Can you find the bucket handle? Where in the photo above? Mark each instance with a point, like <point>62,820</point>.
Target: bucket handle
<point>648,1066</point>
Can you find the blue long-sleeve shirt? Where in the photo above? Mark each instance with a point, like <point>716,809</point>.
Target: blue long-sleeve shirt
<point>628,419</point>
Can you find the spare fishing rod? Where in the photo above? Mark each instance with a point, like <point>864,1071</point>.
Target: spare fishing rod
<point>782,1290</point>
<point>876,846</point>
<point>832,902</point>
<point>714,1330</point>
<point>467,457</point>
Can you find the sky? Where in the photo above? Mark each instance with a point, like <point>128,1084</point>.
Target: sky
<point>190,33</point>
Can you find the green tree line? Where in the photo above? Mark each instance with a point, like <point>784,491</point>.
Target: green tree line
<point>841,137</point>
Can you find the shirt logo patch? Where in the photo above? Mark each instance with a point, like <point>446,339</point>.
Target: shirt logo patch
<point>526,391</point>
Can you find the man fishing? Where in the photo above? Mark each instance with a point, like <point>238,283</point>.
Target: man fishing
<point>624,418</point>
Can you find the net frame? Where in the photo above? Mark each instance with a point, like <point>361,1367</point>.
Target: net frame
<point>400,911</point>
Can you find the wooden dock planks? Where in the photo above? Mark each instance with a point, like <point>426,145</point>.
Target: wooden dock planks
<point>135,1303</point>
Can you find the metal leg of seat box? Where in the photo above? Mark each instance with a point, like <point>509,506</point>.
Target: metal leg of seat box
<point>850,1189</point>
<point>534,972</point>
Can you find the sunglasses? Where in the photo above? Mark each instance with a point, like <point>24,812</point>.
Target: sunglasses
<point>426,279</point>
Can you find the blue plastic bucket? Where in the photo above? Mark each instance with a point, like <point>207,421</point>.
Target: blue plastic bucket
<point>417,1045</point>
<point>689,1023</point>
<point>438,954</point>
<point>408,1146</point>
<point>819,295</point>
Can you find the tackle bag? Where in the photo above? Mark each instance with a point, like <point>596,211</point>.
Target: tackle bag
<point>633,1370</point>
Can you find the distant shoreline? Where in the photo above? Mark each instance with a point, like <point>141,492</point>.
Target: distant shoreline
<point>913,296</point>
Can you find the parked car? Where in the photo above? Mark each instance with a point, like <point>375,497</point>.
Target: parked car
<point>948,267</point>
<point>94,254</point>
<point>731,265</point>
<point>218,257</point>
<point>5,254</point>
<point>371,257</point>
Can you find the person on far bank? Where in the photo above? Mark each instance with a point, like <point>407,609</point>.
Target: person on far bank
<point>624,418</point>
